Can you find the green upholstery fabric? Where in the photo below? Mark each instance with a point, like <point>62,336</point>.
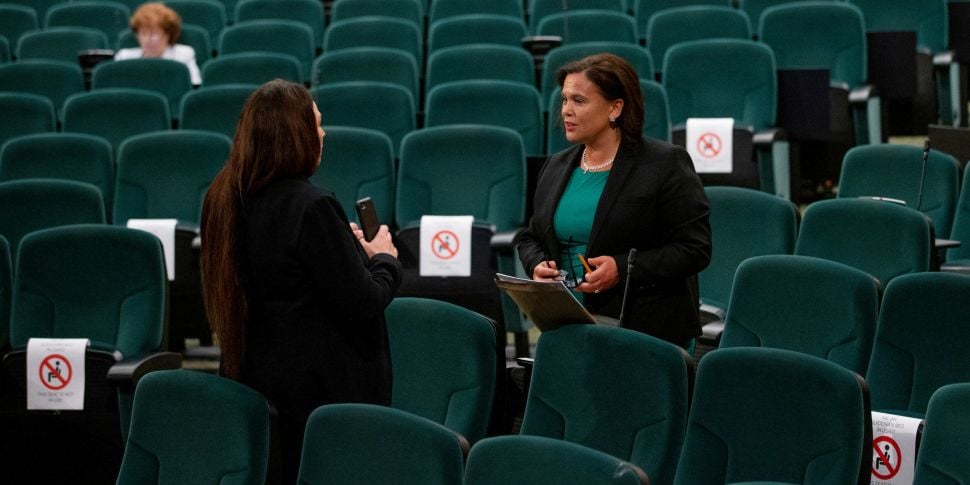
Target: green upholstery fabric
<point>809,305</point>
<point>381,64</point>
<point>192,427</point>
<point>883,239</point>
<point>926,17</point>
<point>358,163</point>
<point>540,9</point>
<point>456,389</point>
<point>614,390</point>
<point>480,61</point>
<point>637,56</point>
<point>210,16</point>
<point>534,460</point>
<point>676,25</point>
<point>385,107</point>
<point>164,76</point>
<point>961,225</point>
<point>745,87</point>
<point>306,12</point>
<point>754,8</point>
<point>375,31</point>
<point>644,9</point>
<point>362,443</point>
<point>921,332</point>
<point>744,223</point>
<point>576,26</point>
<point>476,28</point>
<point>40,6</point>
<point>193,36</point>
<point>253,68</point>
<point>5,54</point>
<point>116,113</point>
<point>70,156</point>
<point>55,80</point>
<point>215,108</point>
<point>894,171</point>
<point>24,114</point>
<point>107,16</point>
<point>946,433</point>
<point>442,9</point>
<point>510,104</point>
<point>6,287</point>
<point>166,175</point>
<point>759,415</point>
<point>410,10</point>
<point>50,203</point>
<point>462,170</point>
<point>60,43</point>
<point>279,36</point>
<point>15,20</point>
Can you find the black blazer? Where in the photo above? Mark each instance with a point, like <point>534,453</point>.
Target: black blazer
<point>653,201</point>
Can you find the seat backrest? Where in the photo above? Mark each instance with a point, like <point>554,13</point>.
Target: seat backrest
<point>926,17</point>
<point>116,113</point>
<point>961,222</point>
<point>881,238</point>
<point>24,114</point>
<point>895,171</point>
<point>644,9</point>
<point>70,156</point>
<point>167,174</point>
<point>347,444</point>
<point>375,31</point>
<point>744,223</point>
<point>479,61</point>
<point>107,16</point>
<point>921,331</point>
<point>474,29</point>
<point>15,20</point>
<point>457,394</point>
<point>945,432</point>
<point>193,36</point>
<point>589,379</point>
<point>760,415</point>
<point>253,68</point>
<point>818,35</point>
<point>721,78</point>
<point>358,163</point>
<point>589,26</point>
<point>210,16</point>
<point>39,6</point>
<point>535,460</point>
<point>410,10</point>
<point>511,104</point>
<point>754,8</point>
<point>473,170</point>
<point>98,282</point>
<point>164,76</point>
<point>5,55</point>
<point>388,108</point>
<point>307,12</point>
<point>809,305</point>
<point>444,9</point>
<point>165,445</point>
<point>55,80</point>
<point>60,43</point>
<point>381,64</point>
<point>280,36</point>
<point>676,25</point>
<point>215,108</point>
<point>540,9</point>
<point>6,288</point>
<point>637,56</point>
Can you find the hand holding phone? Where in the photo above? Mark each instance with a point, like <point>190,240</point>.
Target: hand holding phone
<point>368,218</point>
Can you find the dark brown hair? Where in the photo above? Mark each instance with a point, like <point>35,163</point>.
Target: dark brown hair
<point>616,79</point>
<point>276,138</point>
<point>155,13</point>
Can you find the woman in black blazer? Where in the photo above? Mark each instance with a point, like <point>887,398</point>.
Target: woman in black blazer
<point>614,191</point>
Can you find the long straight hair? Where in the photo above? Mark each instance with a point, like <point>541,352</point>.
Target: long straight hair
<point>276,138</point>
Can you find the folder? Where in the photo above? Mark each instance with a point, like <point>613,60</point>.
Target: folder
<point>549,304</point>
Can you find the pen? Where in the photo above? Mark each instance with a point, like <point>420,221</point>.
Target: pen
<point>585,264</point>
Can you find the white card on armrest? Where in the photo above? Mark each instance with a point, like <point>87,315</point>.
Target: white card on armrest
<point>164,230</point>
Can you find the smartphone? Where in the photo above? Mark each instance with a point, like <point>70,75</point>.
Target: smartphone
<point>368,218</point>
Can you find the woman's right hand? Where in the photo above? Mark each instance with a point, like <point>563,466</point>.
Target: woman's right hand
<point>382,242</point>
<point>545,271</point>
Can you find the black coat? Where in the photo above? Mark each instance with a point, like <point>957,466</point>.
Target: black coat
<point>653,201</point>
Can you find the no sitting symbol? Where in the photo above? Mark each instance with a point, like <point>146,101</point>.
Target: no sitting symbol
<point>709,145</point>
<point>55,372</point>
<point>444,244</point>
<point>886,458</point>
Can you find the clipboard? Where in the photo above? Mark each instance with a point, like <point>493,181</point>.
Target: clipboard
<point>549,304</point>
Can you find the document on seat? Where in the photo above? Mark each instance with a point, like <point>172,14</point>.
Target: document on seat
<point>549,304</point>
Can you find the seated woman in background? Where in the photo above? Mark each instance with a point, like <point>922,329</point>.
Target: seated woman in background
<point>157,28</point>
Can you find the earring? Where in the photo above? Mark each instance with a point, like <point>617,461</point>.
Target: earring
<point>612,119</point>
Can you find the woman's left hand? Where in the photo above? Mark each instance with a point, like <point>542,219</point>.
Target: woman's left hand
<point>604,277</point>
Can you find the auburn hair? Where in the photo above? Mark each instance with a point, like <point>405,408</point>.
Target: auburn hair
<point>154,14</point>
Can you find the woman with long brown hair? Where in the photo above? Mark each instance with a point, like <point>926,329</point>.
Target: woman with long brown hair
<point>295,294</point>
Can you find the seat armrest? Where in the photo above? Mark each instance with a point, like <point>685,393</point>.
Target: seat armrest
<point>711,333</point>
<point>502,241</point>
<point>956,268</point>
<point>943,59</point>
<point>128,372</point>
<point>862,94</point>
<point>717,313</point>
<point>767,137</point>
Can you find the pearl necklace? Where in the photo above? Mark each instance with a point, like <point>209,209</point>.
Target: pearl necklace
<point>587,167</point>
